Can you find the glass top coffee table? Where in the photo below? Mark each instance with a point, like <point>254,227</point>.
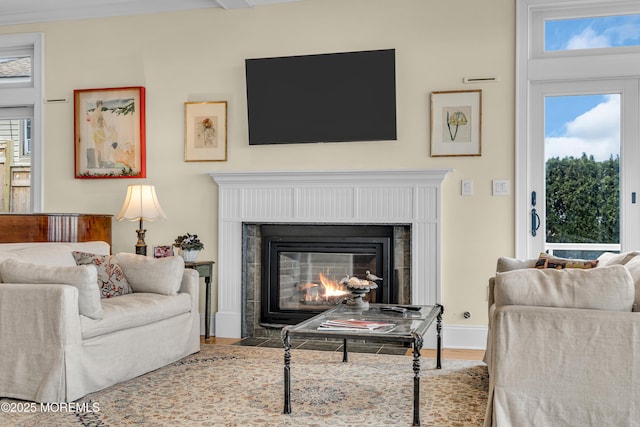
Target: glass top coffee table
<point>378,323</point>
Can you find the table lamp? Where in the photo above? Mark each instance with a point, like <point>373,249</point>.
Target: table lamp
<point>141,204</point>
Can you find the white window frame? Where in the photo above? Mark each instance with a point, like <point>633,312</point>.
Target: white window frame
<point>565,9</point>
<point>29,95</point>
<point>534,66</point>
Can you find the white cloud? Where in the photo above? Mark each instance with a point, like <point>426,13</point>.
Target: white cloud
<point>625,34</point>
<point>619,32</point>
<point>588,39</point>
<point>596,132</point>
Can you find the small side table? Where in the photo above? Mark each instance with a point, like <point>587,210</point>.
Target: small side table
<point>204,269</point>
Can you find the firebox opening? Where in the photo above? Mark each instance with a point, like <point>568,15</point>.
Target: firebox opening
<point>303,267</point>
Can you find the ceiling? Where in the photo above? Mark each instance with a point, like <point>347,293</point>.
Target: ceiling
<point>30,11</point>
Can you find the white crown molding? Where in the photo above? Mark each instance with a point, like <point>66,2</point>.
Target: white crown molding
<point>31,11</point>
<point>235,4</point>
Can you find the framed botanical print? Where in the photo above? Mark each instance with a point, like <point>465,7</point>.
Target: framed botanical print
<point>109,132</point>
<point>456,123</point>
<point>205,129</point>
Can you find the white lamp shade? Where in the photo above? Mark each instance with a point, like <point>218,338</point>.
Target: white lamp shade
<point>141,203</point>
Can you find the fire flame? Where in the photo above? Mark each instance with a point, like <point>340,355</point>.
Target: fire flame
<point>331,289</point>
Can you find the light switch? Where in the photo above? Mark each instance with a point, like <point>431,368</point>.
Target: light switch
<point>501,187</point>
<point>467,187</point>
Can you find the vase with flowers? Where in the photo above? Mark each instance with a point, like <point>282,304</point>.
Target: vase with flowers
<point>190,246</point>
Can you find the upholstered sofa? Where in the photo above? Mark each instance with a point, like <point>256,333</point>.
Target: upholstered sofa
<point>74,319</point>
<point>563,347</point>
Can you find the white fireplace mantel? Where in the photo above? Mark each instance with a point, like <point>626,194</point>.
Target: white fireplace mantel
<point>399,196</point>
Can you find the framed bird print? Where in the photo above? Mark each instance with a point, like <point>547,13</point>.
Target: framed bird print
<point>456,123</point>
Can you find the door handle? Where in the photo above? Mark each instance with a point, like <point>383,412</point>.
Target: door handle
<point>535,222</point>
<point>535,219</point>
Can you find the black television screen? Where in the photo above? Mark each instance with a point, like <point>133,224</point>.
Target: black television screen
<point>322,98</point>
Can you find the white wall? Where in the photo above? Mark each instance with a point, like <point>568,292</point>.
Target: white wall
<point>199,55</point>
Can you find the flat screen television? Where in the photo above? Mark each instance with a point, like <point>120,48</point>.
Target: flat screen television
<point>333,97</point>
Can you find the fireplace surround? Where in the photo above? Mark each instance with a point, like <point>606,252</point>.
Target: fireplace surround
<point>407,196</point>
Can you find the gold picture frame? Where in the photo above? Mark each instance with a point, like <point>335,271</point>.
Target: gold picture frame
<point>205,130</point>
<point>456,123</point>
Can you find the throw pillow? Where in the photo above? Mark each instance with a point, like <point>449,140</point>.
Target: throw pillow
<point>633,265</point>
<point>508,264</point>
<point>610,258</point>
<point>111,279</point>
<point>603,288</point>
<point>154,275</point>
<point>548,261</point>
<point>84,277</point>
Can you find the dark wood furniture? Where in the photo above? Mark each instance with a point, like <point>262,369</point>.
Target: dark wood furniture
<point>54,227</point>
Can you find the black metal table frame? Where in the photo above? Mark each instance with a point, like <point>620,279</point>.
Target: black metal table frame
<point>416,341</point>
<point>205,270</point>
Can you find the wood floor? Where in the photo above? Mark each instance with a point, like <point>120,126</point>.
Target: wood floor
<point>451,353</point>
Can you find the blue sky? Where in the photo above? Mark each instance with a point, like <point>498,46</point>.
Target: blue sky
<point>589,123</point>
<point>582,124</point>
<point>584,33</point>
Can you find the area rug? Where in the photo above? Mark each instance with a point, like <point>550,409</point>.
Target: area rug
<point>243,386</point>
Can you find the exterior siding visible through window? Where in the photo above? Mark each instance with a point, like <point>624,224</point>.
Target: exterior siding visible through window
<point>21,108</point>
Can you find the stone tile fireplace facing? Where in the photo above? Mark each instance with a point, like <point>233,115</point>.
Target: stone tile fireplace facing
<point>409,197</point>
<point>280,293</point>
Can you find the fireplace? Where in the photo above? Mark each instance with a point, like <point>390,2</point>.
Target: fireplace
<point>410,197</point>
<point>397,286</point>
<point>305,268</point>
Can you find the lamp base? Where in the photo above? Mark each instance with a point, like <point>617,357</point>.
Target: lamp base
<point>141,246</point>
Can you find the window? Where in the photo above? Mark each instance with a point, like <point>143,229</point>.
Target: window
<point>15,70</point>
<point>15,167</point>
<point>21,58</point>
<point>25,138</point>
<point>577,132</point>
<point>581,161</point>
<point>594,32</point>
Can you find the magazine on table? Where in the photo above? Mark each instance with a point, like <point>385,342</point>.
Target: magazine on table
<point>355,325</point>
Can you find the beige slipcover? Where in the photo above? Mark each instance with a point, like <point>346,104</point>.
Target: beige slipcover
<point>554,364</point>
<point>49,352</point>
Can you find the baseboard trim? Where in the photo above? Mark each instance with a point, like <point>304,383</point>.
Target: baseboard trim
<point>467,337</point>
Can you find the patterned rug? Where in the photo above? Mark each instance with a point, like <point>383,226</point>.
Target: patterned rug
<point>243,386</point>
